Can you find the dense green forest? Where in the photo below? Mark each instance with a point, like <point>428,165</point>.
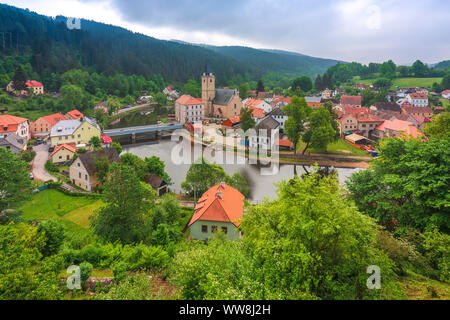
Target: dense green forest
<point>109,50</point>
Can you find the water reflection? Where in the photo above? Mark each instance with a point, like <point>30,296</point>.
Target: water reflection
<point>260,186</point>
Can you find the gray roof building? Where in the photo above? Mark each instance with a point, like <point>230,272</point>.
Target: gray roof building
<point>223,96</point>
<point>68,127</point>
<point>12,142</point>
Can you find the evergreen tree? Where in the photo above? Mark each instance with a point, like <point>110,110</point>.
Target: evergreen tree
<point>19,80</point>
<point>260,87</point>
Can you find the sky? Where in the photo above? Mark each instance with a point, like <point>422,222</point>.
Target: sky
<point>349,30</point>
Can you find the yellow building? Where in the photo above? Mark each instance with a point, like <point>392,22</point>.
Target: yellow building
<point>78,131</point>
<point>63,153</point>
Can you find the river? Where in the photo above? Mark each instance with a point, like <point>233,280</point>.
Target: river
<point>260,186</point>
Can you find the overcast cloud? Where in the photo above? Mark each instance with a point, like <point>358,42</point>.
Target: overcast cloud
<point>350,30</point>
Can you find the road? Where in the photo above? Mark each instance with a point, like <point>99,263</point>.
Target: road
<point>142,106</point>
<point>42,155</point>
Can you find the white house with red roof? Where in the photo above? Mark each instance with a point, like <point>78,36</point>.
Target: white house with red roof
<point>220,209</point>
<point>189,109</point>
<point>257,104</point>
<point>34,87</point>
<point>12,124</point>
<point>394,128</point>
<point>446,94</point>
<point>74,115</point>
<point>417,99</point>
<point>171,93</point>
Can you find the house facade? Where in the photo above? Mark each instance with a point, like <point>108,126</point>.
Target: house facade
<point>257,104</point>
<point>189,109</point>
<point>45,124</point>
<point>278,115</point>
<point>313,102</point>
<point>12,124</point>
<point>13,142</point>
<point>263,138</point>
<point>326,94</point>
<point>77,132</point>
<point>63,153</point>
<point>446,94</point>
<point>33,87</point>
<point>220,209</point>
<point>82,172</point>
<point>417,99</point>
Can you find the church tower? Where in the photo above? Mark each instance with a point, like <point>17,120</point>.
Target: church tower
<point>208,90</point>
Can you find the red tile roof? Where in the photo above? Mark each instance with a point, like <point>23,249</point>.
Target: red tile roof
<point>418,96</point>
<point>187,100</point>
<point>354,110</point>
<point>220,203</point>
<point>399,125</point>
<point>418,109</point>
<point>75,114</point>
<point>445,92</point>
<point>231,121</point>
<point>351,100</point>
<point>54,118</point>
<point>33,84</point>
<point>69,147</point>
<point>284,143</point>
<point>9,123</point>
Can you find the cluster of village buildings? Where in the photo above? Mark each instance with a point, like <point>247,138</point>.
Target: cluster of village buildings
<point>221,207</point>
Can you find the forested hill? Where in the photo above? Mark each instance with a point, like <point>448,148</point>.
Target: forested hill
<point>110,50</point>
<point>289,63</point>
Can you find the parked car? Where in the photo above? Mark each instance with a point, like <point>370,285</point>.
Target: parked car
<point>51,149</point>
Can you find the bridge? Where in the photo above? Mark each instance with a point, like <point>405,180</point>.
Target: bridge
<point>156,129</point>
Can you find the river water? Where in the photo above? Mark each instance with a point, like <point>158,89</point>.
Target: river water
<point>261,186</point>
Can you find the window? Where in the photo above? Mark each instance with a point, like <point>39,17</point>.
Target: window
<point>225,230</point>
<point>79,136</point>
<point>79,164</point>
<point>205,229</point>
<point>60,138</point>
<point>79,175</point>
<point>60,157</point>
<point>86,177</point>
<point>214,229</point>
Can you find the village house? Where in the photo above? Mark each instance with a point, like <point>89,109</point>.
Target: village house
<point>326,94</point>
<point>258,115</point>
<point>351,101</point>
<point>82,172</point>
<point>171,93</point>
<point>313,102</point>
<point>41,127</point>
<point>446,94</point>
<point>257,104</point>
<point>278,115</point>
<point>266,96</point>
<point>284,145</point>
<point>79,131</point>
<point>33,87</point>
<point>74,115</point>
<point>158,184</point>
<point>12,124</point>
<point>189,109</point>
<point>280,102</point>
<point>219,103</point>
<point>417,99</point>
<point>360,86</point>
<point>220,209</point>
<point>418,111</point>
<point>231,123</point>
<point>102,106</point>
<point>386,106</point>
<point>13,142</point>
<point>63,153</point>
<point>395,128</point>
<point>263,138</point>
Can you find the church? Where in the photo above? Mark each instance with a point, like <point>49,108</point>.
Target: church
<point>219,103</point>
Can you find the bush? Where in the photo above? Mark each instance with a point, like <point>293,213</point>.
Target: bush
<point>120,271</point>
<point>51,167</point>
<point>437,249</point>
<point>53,232</point>
<point>85,272</point>
<point>27,156</point>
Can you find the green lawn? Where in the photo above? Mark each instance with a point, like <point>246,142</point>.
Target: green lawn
<point>74,212</point>
<point>405,82</point>
<point>338,147</point>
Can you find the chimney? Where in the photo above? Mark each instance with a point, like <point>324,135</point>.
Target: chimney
<point>219,194</point>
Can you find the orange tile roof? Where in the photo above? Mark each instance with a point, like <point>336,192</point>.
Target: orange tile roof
<point>75,114</point>
<point>253,103</point>
<point>220,203</point>
<point>258,113</point>
<point>69,147</point>
<point>9,123</point>
<point>445,92</point>
<point>54,118</point>
<point>399,125</point>
<point>354,110</point>
<point>187,100</point>
<point>411,109</point>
